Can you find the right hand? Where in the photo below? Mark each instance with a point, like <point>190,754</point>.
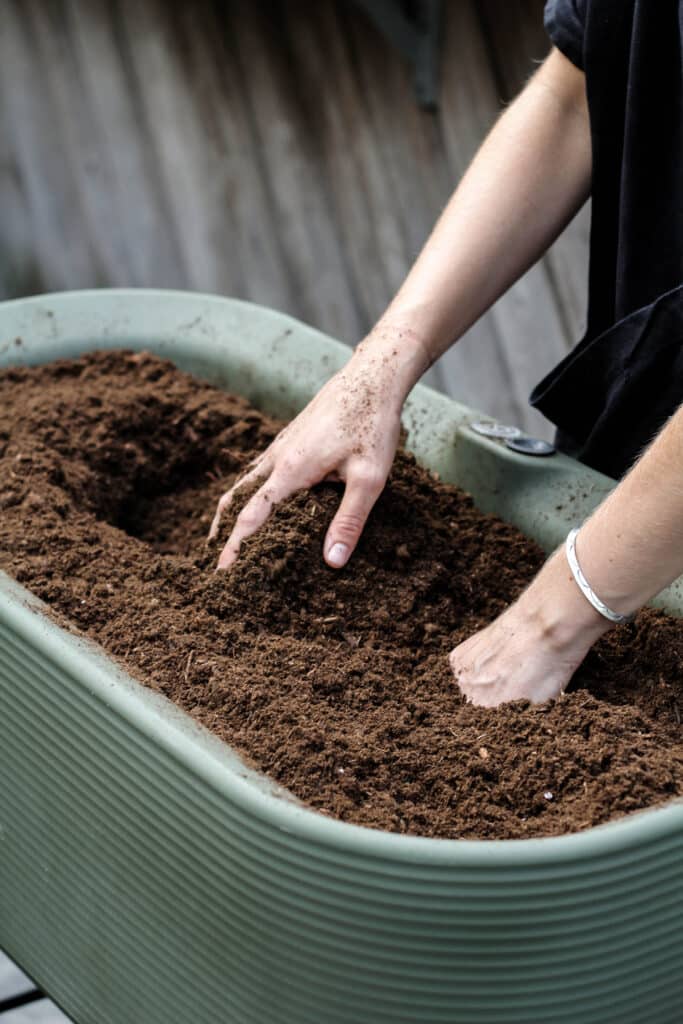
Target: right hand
<point>348,432</point>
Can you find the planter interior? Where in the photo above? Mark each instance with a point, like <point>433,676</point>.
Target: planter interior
<point>147,875</point>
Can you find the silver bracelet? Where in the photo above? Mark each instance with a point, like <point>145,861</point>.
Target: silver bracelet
<point>585,587</point>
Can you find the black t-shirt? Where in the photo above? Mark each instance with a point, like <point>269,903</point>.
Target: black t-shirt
<point>612,394</point>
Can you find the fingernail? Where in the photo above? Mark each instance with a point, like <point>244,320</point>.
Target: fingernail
<point>337,555</point>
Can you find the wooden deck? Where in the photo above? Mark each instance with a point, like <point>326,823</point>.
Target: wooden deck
<point>267,150</point>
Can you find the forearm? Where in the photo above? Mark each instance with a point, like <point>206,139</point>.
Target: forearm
<point>529,178</point>
<point>632,546</point>
<point>629,549</point>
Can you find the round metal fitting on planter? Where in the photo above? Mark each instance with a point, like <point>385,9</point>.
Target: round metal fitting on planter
<point>530,446</point>
<point>500,431</point>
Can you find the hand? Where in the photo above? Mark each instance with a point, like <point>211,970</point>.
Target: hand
<point>348,432</point>
<point>532,650</point>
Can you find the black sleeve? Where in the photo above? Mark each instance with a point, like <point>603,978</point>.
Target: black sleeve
<point>565,22</point>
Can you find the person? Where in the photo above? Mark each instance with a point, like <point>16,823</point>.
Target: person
<point>602,116</point>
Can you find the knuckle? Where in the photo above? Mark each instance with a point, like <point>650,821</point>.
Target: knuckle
<point>304,480</point>
<point>243,481</point>
<point>247,519</point>
<point>348,524</point>
<point>369,477</point>
<point>287,467</point>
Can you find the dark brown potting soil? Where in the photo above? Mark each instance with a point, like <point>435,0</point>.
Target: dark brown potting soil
<point>334,683</point>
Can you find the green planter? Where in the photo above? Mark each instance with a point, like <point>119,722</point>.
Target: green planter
<point>148,877</point>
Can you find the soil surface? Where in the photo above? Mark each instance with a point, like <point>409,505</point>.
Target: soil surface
<point>334,683</point>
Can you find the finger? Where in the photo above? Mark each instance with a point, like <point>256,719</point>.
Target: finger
<point>362,491</point>
<point>253,516</point>
<point>469,679</point>
<point>256,461</point>
<point>260,470</point>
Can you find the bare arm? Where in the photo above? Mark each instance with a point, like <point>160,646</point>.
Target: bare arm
<point>529,178</point>
<point>629,550</point>
<point>527,181</point>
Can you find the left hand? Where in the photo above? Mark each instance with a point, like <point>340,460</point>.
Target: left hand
<point>532,650</point>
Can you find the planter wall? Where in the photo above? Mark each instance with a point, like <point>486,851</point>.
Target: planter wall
<point>147,876</point>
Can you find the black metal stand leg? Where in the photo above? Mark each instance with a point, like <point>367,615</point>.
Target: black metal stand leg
<point>32,996</point>
<point>413,28</point>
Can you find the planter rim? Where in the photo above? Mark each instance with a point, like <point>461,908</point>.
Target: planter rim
<point>224,770</point>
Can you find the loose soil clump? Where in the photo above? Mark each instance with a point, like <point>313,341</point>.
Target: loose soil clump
<point>336,684</point>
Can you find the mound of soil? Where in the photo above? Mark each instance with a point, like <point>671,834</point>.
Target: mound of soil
<point>336,684</point>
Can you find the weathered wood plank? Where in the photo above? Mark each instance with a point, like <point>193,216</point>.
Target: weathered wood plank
<point>51,200</point>
<point>198,128</point>
<point>518,42</point>
<point>104,143</point>
<point>413,185</point>
<point>361,191</point>
<point>527,337</point>
<point>290,157</point>
<point>19,273</point>
<point>348,165</point>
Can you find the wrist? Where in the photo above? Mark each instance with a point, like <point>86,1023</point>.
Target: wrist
<point>554,605</point>
<point>396,353</point>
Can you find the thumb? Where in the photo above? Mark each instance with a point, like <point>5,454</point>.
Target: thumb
<point>362,490</point>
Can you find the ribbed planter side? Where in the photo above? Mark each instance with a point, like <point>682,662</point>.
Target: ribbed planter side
<point>147,876</point>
